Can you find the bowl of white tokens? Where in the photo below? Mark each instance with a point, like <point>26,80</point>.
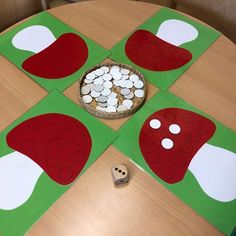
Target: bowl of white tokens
<point>112,90</point>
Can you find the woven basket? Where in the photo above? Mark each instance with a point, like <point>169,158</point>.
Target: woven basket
<point>91,107</point>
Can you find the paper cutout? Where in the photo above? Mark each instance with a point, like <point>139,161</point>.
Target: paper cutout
<point>58,143</point>
<point>168,154</point>
<point>177,32</point>
<point>218,177</point>
<point>152,53</point>
<point>46,191</point>
<point>55,143</point>
<point>18,177</point>
<point>173,140</point>
<point>62,58</point>
<point>34,38</point>
<point>218,213</point>
<point>163,79</point>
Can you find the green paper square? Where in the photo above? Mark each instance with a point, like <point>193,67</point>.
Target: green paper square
<point>46,192</point>
<point>96,53</point>
<point>165,79</point>
<point>220,214</point>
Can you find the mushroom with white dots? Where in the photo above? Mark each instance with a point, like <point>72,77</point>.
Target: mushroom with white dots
<point>174,140</point>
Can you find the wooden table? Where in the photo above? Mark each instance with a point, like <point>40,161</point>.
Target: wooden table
<point>93,206</point>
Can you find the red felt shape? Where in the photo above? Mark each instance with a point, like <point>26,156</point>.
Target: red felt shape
<point>58,143</point>
<point>152,53</point>
<point>62,58</point>
<point>171,164</point>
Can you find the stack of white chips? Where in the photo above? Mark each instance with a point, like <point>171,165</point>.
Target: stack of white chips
<point>113,89</point>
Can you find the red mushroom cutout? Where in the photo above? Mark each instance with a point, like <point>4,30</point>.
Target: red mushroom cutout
<point>161,52</point>
<point>54,58</point>
<point>173,140</point>
<point>58,144</point>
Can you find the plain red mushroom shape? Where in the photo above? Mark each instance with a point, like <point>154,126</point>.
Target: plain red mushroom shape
<point>60,59</point>
<point>152,53</point>
<point>174,140</point>
<point>58,143</point>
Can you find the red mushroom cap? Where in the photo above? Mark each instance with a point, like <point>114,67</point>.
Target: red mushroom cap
<point>58,143</point>
<point>62,58</point>
<point>152,53</point>
<point>191,131</point>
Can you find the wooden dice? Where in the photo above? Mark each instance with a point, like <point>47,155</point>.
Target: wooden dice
<point>120,174</point>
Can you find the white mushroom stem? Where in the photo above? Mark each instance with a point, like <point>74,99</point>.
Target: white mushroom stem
<point>34,38</point>
<point>177,32</point>
<point>18,177</point>
<point>215,170</point>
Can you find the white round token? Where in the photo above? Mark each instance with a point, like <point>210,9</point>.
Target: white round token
<point>124,77</point>
<point>117,76</point>
<point>107,84</point>
<point>98,88</point>
<point>155,123</point>
<point>113,94</point>
<point>105,69</point>
<point>124,71</point>
<point>134,78</point>
<point>106,92</point>
<point>99,72</point>
<point>110,109</point>
<point>129,96</point>
<point>91,86</point>
<point>95,94</point>
<point>139,93</point>
<point>116,82</point>
<point>102,98</point>
<point>88,81</point>
<point>98,81</point>
<point>138,84</point>
<point>87,98</point>
<point>85,89</point>
<point>124,91</point>
<point>112,101</point>
<point>90,76</point>
<point>128,83</point>
<point>115,67</point>
<point>128,103</point>
<point>167,143</point>
<point>107,77</point>
<point>122,83</point>
<point>122,108</point>
<point>174,129</point>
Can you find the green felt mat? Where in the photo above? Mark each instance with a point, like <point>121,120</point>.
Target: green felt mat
<point>19,220</point>
<point>220,214</point>
<point>163,80</point>
<point>96,53</point>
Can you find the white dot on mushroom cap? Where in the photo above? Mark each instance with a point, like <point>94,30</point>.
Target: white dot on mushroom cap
<point>174,129</point>
<point>155,124</point>
<point>167,143</point>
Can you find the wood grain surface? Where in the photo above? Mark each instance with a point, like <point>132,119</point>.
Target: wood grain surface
<point>93,206</point>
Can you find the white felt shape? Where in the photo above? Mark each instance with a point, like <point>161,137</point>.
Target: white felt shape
<point>34,38</point>
<point>18,177</point>
<point>215,170</point>
<point>177,32</point>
